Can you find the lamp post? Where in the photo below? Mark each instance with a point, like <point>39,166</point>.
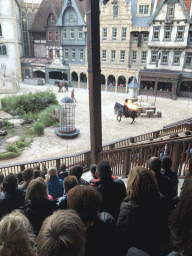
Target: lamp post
<point>3,68</point>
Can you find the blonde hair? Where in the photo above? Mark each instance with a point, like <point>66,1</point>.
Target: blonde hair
<point>36,189</point>
<point>16,236</point>
<point>52,171</point>
<point>62,233</point>
<point>142,185</point>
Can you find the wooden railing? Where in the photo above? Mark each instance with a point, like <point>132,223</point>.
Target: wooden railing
<point>123,159</point>
<point>188,120</point>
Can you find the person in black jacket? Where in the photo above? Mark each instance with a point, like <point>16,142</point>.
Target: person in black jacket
<point>38,206</point>
<point>63,172</point>
<point>77,170</point>
<point>142,222</point>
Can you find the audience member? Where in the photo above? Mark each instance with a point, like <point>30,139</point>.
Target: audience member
<point>27,177</point>
<point>16,236</point>
<point>171,175</point>
<point>77,170</point>
<point>63,172</point>
<point>68,183</point>
<point>1,183</point>
<point>61,234</point>
<point>142,222</point>
<point>100,228</point>
<point>93,173</point>
<point>112,192</point>
<point>19,176</point>
<point>13,197</point>
<point>36,173</point>
<point>38,207</point>
<point>164,184</point>
<point>54,184</point>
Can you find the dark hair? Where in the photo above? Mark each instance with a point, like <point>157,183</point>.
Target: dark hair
<point>187,132</point>
<point>86,201</point>
<point>76,170</point>
<point>19,176</point>
<point>166,162</point>
<point>155,164</point>
<point>93,169</point>
<point>69,182</point>
<point>1,177</point>
<point>10,183</point>
<point>180,221</point>
<point>27,174</point>
<point>104,170</point>
<point>36,167</point>
<point>36,173</point>
<point>63,168</point>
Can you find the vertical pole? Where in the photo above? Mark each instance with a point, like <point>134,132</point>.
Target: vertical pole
<point>93,49</point>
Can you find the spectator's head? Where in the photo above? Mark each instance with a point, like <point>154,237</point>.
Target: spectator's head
<point>63,168</point>
<point>103,170</point>
<point>166,162</point>
<point>28,174</point>
<point>187,133</point>
<point>16,236</point>
<point>36,173</point>
<point>1,178</point>
<point>10,183</point>
<point>36,189</point>
<point>52,171</point>
<point>86,201</point>
<point>93,169</point>
<point>180,221</point>
<point>36,167</point>
<point>76,170</point>
<point>61,234</point>
<point>155,164</point>
<point>69,182</point>
<point>142,185</point>
<point>19,176</point>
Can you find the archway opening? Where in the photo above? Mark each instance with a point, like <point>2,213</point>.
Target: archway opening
<point>121,81</point>
<point>27,73</point>
<point>111,80</point>
<point>102,79</point>
<point>83,78</point>
<point>58,75</point>
<point>38,74</point>
<point>74,77</point>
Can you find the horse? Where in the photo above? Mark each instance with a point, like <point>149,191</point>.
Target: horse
<point>121,110</point>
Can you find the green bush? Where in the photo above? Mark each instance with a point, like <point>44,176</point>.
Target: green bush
<point>21,104</point>
<point>21,144</point>
<point>38,128</point>
<point>45,119</point>
<point>8,155</point>
<point>11,147</point>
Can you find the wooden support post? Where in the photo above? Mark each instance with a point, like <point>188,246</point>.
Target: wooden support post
<point>176,155</point>
<point>126,165</point>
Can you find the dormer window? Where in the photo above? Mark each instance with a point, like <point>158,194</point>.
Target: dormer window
<point>71,15</point>
<point>52,18</point>
<point>170,11</point>
<point>115,11</point>
<point>143,9</point>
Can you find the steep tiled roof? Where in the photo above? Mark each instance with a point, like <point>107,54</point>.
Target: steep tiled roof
<point>46,6</point>
<point>81,7</point>
<point>187,4</point>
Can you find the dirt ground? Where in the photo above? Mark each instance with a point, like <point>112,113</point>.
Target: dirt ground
<point>50,145</point>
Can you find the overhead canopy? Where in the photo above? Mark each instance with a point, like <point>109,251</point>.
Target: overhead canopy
<point>133,83</point>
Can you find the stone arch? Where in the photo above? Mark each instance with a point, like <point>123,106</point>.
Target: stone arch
<point>83,78</point>
<point>102,79</point>
<point>39,74</point>
<point>111,80</point>
<point>121,81</point>
<point>74,76</point>
<point>130,79</point>
<point>27,73</point>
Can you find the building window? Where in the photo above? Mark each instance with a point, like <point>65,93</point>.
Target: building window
<point>113,52</point>
<point>167,35</point>
<point>50,36</point>
<point>73,54</point>
<point>156,31</point>
<point>170,10</point>
<point>80,33</point>
<point>71,15</point>
<point>81,55</point>
<point>52,18</point>
<point>56,36</point>
<point>104,55</point>
<point>180,33</point>
<point>57,53</point>
<point>72,35</point>
<point>164,59</point>
<point>134,57</point>
<point>51,54</point>
<point>146,37</point>
<point>3,50</point>
<point>143,57</point>
<point>176,59</point>
<point>188,62</point>
<point>104,34</point>
<point>114,34</point>
<point>123,34</point>
<point>143,9</point>
<point>154,55</point>
<point>115,11</point>
<point>0,31</point>
<point>190,38</point>
<point>122,56</point>
<point>66,54</point>
<point>64,34</point>
<point>135,37</point>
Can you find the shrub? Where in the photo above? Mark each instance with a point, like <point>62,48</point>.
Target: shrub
<point>11,147</point>
<point>8,155</point>
<point>38,128</point>
<point>45,119</point>
<point>21,144</point>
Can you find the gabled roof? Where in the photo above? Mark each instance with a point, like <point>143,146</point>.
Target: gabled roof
<point>185,4</point>
<point>46,7</point>
<point>79,8</point>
